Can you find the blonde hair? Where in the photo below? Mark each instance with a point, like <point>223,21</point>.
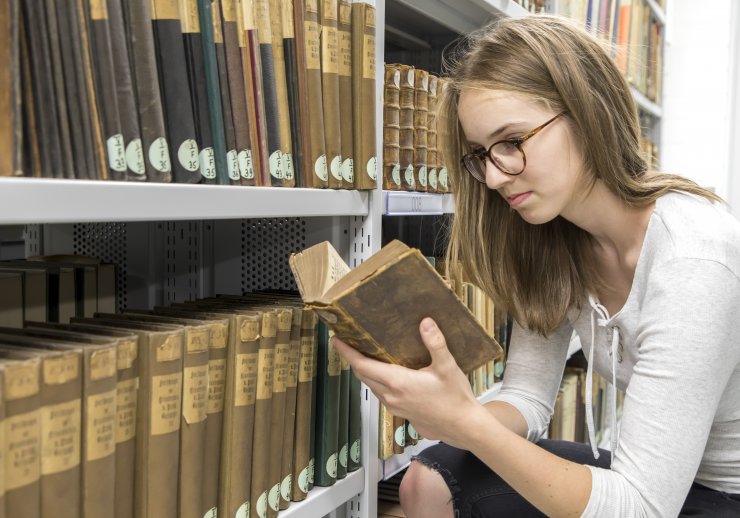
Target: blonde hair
<point>538,272</point>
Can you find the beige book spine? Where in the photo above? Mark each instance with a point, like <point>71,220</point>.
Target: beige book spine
<point>302,441</point>
<point>286,470</point>
<point>406,125</point>
<point>344,38</point>
<point>385,434</point>
<point>328,13</point>
<point>443,125</point>
<point>391,128</point>
<point>127,389</point>
<point>421,109</point>
<point>219,339</point>
<point>432,164</point>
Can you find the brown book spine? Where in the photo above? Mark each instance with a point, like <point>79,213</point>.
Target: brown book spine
<point>406,133</point>
<point>363,95</point>
<point>263,415</point>
<point>291,384</point>
<point>219,338</point>
<point>317,167</point>
<point>391,129</point>
<point>2,443</point>
<point>302,443</point>
<point>442,122</point>
<point>328,14</point>
<point>399,434</point>
<point>30,149</point>
<point>421,109</point>
<point>127,389</point>
<point>344,36</point>
<point>237,92</point>
<point>11,128</point>
<point>432,135</point>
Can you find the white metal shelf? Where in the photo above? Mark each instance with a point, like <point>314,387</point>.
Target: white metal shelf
<point>37,200</point>
<point>463,16</point>
<point>400,203</point>
<point>323,500</point>
<point>395,464</point>
<point>645,103</point>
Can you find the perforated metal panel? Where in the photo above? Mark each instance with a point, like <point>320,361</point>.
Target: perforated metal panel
<point>107,241</point>
<point>266,245</point>
<point>33,235</point>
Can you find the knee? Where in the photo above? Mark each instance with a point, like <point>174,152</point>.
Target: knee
<point>423,489</point>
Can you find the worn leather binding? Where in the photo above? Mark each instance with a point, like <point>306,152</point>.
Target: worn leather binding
<point>343,427</point>
<point>177,101</point>
<point>237,94</point>
<point>290,52</point>
<point>327,407</point>
<point>227,112</point>
<point>363,95</point>
<point>421,109</point>
<point>105,89</point>
<point>328,15</point>
<point>355,423</point>
<point>307,11</point>
<point>442,122</point>
<point>213,91</point>
<point>155,143</point>
<point>432,135</point>
<point>10,94</point>
<point>136,164</point>
<point>391,129</point>
<point>406,133</point>
<point>281,85</point>
<point>344,31</point>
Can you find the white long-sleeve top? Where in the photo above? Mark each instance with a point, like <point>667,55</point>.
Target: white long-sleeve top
<point>677,355</point>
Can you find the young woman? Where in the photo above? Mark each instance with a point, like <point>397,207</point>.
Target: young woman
<point>560,221</point>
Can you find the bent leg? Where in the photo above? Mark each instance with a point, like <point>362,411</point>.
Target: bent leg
<point>424,493</point>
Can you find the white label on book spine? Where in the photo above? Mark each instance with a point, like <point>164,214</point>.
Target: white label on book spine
<point>159,155</point>
<point>396,174</point>
<point>286,487</point>
<point>211,513</point>
<point>135,157</point>
<point>433,179</point>
<point>276,165</point>
<point>400,435</point>
<point>343,456</point>
<point>354,452</point>
<point>408,175</point>
<point>347,171</point>
<point>273,498</point>
<point>232,161</point>
<point>331,465</point>
<point>443,177</point>
<point>423,176</point>
<point>208,163</point>
<point>288,166</point>
<point>311,470</point>
<point>246,168</point>
<point>243,511</point>
<point>188,155</point>
<point>303,480</point>
<point>117,153</point>
<point>320,168</point>
<point>261,506</point>
<point>372,167</point>
<point>412,431</point>
<point>336,167</point>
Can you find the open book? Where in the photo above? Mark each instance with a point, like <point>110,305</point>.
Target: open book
<point>377,307</point>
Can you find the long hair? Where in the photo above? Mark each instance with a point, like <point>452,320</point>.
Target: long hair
<point>539,272</point>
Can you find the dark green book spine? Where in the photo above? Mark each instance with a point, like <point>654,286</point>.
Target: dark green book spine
<point>354,458</point>
<point>321,329</point>
<point>327,408</point>
<point>343,427</point>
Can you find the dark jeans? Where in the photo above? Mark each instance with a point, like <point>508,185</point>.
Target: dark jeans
<point>478,492</point>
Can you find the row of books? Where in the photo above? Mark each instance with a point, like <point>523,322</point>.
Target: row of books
<point>217,405</point>
<point>412,160</point>
<point>651,151</point>
<point>246,92</point>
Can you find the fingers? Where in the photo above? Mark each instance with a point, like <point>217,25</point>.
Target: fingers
<point>368,369</point>
<point>436,343</point>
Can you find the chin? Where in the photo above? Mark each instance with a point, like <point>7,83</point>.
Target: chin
<point>534,217</point>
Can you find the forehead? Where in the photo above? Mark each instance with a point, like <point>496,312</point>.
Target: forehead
<point>496,105</point>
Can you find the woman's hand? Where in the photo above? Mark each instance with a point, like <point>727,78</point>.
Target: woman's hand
<point>437,399</point>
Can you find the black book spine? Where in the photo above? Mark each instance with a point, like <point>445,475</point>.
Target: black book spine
<point>291,64</point>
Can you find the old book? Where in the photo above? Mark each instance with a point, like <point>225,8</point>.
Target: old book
<point>328,16</point>
<point>385,433</point>
<point>30,147</point>
<point>231,160</point>
<point>61,289</point>
<point>399,434</point>
<point>363,95</point>
<point>35,292</point>
<point>290,52</point>
<point>314,412</point>
<point>354,459</point>
<point>105,88</point>
<point>406,125</point>
<point>237,92</point>
<point>302,441</point>
<point>176,95</point>
<point>154,142</point>
<point>283,103</point>
<point>442,122</point>
<point>11,127</point>
<point>391,128</point>
<point>421,109</point>
<point>158,416</point>
<point>327,409</point>
<point>309,86</point>
<point>344,38</point>
<point>343,426</point>
<point>291,393</point>
<point>342,302</point>
<point>432,134</point>
<point>22,437</point>
<point>11,301</point>
<point>85,281</point>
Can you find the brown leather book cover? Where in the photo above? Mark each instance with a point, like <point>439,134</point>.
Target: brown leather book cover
<point>344,37</point>
<point>363,95</point>
<point>406,124</point>
<point>328,16</point>
<point>385,433</point>
<point>281,85</point>
<point>22,438</point>
<point>154,141</point>
<point>302,441</point>
<point>391,128</point>
<point>398,273</point>
<point>432,135</point>
<point>307,12</point>
<point>421,109</point>
<point>237,92</point>
<point>399,434</point>
<point>11,127</point>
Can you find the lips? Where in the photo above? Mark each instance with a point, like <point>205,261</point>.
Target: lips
<point>517,199</point>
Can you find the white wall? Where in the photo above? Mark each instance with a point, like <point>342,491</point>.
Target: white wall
<point>734,195</point>
<point>698,79</point>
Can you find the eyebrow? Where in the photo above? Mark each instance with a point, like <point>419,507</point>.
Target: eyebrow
<point>503,129</point>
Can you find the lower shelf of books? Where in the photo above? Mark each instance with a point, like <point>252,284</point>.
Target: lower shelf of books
<point>323,500</point>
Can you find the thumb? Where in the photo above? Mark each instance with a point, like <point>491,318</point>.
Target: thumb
<point>435,342</point>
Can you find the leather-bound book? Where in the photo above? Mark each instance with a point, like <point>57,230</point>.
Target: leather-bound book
<point>391,129</point>
<point>442,122</point>
<point>363,95</point>
<point>385,433</point>
<point>406,133</point>
<point>344,37</point>
<point>329,15</point>
<point>399,434</point>
<point>227,113</point>
<point>11,127</point>
<point>421,108</point>
<point>154,142</point>
<point>327,410</point>
<point>343,427</point>
<point>176,95</point>
<point>398,273</point>
<point>237,93</point>
<point>290,51</point>
<point>105,89</point>
<point>432,135</point>
<point>354,460</point>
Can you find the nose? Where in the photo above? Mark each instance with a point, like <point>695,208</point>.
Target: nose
<point>495,179</point>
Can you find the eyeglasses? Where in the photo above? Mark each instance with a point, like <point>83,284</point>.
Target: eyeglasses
<point>507,155</point>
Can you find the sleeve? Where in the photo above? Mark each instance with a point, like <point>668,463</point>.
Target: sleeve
<point>534,368</point>
<point>687,342</point>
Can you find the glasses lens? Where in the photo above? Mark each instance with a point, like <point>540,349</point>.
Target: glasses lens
<point>508,157</point>
<point>475,166</point>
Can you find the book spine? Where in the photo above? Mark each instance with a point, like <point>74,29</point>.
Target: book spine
<point>327,405</point>
<point>363,95</point>
<point>30,148</point>
<point>314,405</point>
<point>219,337</point>
<point>291,392</point>
<point>328,14</point>
<point>11,128</point>
<point>343,428</point>
<point>290,50</point>
<point>406,124</point>
<point>432,135</point>
<point>399,434</point>
<point>442,122</point>
<point>391,129</point>
<point>344,38</point>
<point>421,109</point>
<point>127,388</point>
<point>354,460</point>
<point>154,142</point>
